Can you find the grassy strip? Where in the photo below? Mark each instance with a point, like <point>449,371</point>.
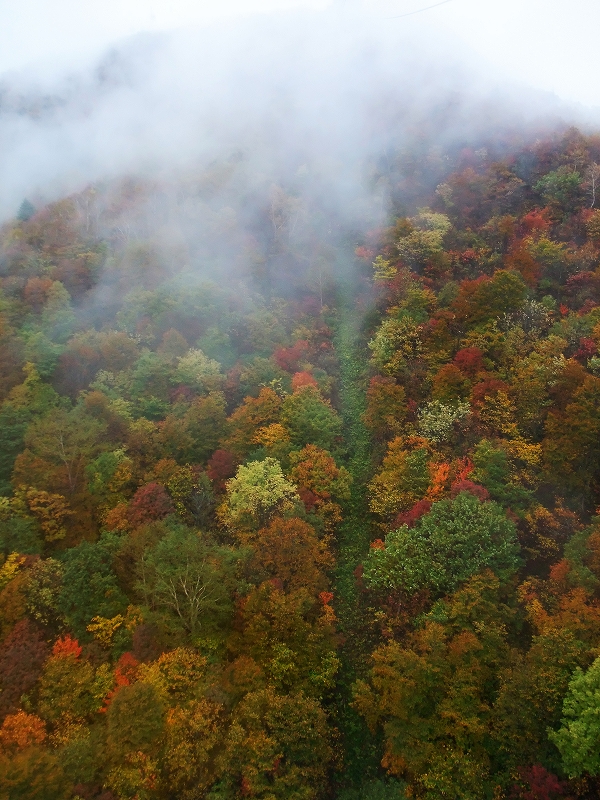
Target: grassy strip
<point>354,533</point>
<point>361,752</point>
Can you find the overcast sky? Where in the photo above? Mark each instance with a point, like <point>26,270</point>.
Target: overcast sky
<point>548,44</point>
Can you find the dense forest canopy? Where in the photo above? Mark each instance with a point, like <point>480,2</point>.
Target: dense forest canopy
<point>325,528</point>
<point>299,486</point>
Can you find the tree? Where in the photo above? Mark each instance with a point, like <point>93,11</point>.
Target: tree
<point>566,626</point>
<point>403,480</point>
<point>110,477</point>
<point>59,445</point>
<point>450,385</point>
<point>493,470</point>
<point>12,595</point>
<point>485,299</point>
<point>13,424</point>
<point>31,398</point>
<point>196,370</point>
<point>192,436</point>
<point>150,502</point>
<point>290,636</point>
<point>57,319</point>
<point>469,360</point>
<point>187,578</point>
<point>553,257</point>
<point>593,226</point>
<point>44,580</point>
<point>274,440</point>
<point>135,720</point>
<point>193,496</point>
<point>437,420</point>
<point>532,687</point>
<point>135,732</point>
<point>194,734</point>
<point>290,358</point>
<point>21,657</point>
<point>221,466</point>
<point>68,686</point>
<point>454,541</point>
<point>19,531</point>
<point>320,482</point>
<point>383,270</point>
<point>179,675</point>
<point>431,695</point>
<point>33,773</point>
<point>259,373</point>
<point>258,492</point>
<point>151,377</point>
<point>426,241</point>
<point>50,510</point>
<point>572,441</point>
<point>541,784</point>
<point>310,419</point>
<point>300,379</point>
<point>278,747</point>
<point>376,790</point>
<point>533,378</point>
<point>397,344</point>
<point>560,188</point>
<point>288,551</point>
<point>88,352</point>
<point>578,738</point>
<point>386,407</point>
<point>89,585</point>
<point>22,730</point>
<point>26,211</point>
<point>254,413</point>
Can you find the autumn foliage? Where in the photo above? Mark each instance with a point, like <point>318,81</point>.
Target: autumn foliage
<point>289,535</point>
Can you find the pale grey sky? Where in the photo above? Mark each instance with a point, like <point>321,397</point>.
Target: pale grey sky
<point>549,44</point>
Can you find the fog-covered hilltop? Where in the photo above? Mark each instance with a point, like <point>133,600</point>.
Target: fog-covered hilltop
<point>306,127</point>
<point>331,92</point>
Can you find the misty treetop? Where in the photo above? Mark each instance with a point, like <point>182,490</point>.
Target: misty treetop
<point>286,514</point>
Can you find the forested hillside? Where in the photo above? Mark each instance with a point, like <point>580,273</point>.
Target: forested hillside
<point>293,512</point>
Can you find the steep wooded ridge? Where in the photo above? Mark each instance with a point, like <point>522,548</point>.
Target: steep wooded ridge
<point>292,512</point>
